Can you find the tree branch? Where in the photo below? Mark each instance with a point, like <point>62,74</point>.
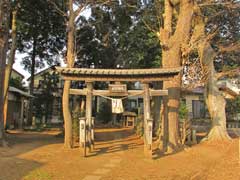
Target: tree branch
<point>80,9</point>
<point>57,8</point>
<point>230,73</point>
<point>83,6</point>
<point>149,27</point>
<point>230,48</point>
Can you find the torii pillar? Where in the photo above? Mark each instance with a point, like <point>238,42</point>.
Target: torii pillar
<point>148,122</point>
<point>89,98</point>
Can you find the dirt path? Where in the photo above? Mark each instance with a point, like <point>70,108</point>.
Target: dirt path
<point>118,155</point>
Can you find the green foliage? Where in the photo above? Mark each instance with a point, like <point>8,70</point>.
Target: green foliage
<point>75,125</point>
<point>38,175</point>
<point>43,102</point>
<point>116,35</point>
<point>105,112</point>
<point>225,27</point>
<point>139,126</point>
<point>233,106</point>
<point>40,33</point>
<point>183,111</point>
<point>17,83</point>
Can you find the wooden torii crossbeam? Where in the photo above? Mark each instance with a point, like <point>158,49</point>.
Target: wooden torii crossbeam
<point>137,75</point>
<point>144,76</point>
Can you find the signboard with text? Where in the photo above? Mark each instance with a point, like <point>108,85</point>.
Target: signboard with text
<point>117,88</point>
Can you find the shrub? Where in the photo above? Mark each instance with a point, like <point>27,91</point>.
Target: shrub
<point>105,112</point>
<point>75,125</point>
<point>183,111</point>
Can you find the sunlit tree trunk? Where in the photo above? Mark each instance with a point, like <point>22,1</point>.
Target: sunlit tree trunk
<point>172,43</point>
<point>68,141</point>
<point>214,99</point>
<point>10,62</point>
<point>4,31</point>
<point>216,106</point>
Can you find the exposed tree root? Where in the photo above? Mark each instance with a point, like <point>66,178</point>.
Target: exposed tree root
<point>174,149</point>
<point>217,134</point>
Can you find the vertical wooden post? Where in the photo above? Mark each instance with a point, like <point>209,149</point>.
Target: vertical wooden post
<point>20,125</point>
<point>92,132</point>
<point>164,132</point>
<point>82,135</point>
<point>147,123</point>
<point>5,111</point>
<point>89,113</point>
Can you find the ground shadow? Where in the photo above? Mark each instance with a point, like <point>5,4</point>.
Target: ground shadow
<point>158,153</point>
<point>114,135</point>
<point>30,141</point>
<point>16,168</point>
<point>115,141</point>
<point>12,165</point>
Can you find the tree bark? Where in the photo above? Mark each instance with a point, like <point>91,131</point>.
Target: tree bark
<point>31,87</point>
<point>4,32</point>
<point>68,141</point>
<point>216,105</point>
<point>214,99</point>
<point>9,65</point>
<point>172,44</point>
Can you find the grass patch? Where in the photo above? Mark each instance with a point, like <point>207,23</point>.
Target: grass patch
<point>38,175</point>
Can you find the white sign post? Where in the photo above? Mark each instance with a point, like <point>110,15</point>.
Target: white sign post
<point>82,134</point>
<point>149,133</point>
<point>92,132</point>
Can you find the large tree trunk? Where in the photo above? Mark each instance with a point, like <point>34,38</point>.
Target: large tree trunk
<point>214,98</point>
<point>67,116</point>
<point>31,87</point>
<point>216,106</point>
<point>11,59</point>
<point>4,31</point>
<point>68,141</point>
<point>172,45</point>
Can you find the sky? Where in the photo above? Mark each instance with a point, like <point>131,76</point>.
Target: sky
<point>17,65</point>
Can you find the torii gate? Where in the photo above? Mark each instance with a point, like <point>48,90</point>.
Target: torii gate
<point>145,76</point>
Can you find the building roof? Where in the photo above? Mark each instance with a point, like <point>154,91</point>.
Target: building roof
<point>128,113</point>
<point>18,73</point>
<point>42,72</point>
<point>230,89</point>
<point>197,90</point>
<point>86,74</point>
<point>18,91</point>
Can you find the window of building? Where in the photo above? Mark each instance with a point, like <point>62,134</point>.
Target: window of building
<point>198,109</point>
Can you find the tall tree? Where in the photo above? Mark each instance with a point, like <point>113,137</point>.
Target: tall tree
<point>11,57</point>
<point>174,35</point>
<point>73,15</point>
<point>4,33</point>
<point>41,31</point>
<point>114,35</point>
<point>43,104</point>
<point>176,22</point>
<point>216,40</point>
